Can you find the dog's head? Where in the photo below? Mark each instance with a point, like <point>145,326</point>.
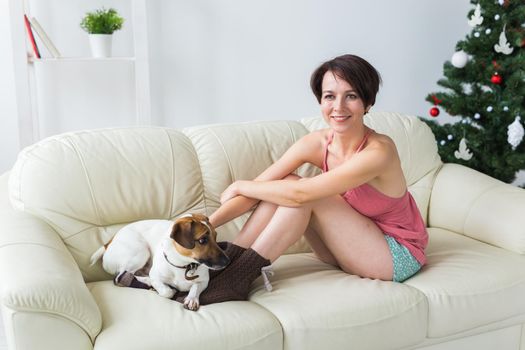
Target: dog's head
<point>194,237</point>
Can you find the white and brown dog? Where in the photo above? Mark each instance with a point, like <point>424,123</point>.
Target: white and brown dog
<point>180,254</point>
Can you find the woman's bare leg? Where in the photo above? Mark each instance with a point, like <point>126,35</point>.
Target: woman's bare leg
<point>354,241</point>
<point>258,220</point>
<point>284,229</point>
<point>260,217</point>
<point>319,248</point>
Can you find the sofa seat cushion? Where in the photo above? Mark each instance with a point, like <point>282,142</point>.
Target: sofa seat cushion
<point>135,319</point>
<point>469,284</point>
<point>321,307</point>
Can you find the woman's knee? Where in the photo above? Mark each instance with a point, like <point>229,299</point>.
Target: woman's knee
<point>263,205</point>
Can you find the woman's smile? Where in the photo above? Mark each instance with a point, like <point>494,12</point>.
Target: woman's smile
<point>340,118</point>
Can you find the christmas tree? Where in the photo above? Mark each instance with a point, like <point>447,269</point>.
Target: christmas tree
<point>485,87</point>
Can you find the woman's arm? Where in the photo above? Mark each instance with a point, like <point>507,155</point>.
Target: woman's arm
<point>362,168</point>
<point>232,209</point>
<point>305,150</point>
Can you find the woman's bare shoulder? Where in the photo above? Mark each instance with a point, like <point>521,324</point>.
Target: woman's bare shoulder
<point>383,142</point>
<point>390,180</point>
<point>318,136</point>
<point>313,144</point>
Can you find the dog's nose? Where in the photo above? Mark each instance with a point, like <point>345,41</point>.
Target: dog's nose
<point>218,263</point>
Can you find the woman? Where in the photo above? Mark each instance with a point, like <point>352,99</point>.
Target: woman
<point>356,215</point>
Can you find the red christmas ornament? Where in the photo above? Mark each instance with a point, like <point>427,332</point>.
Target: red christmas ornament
<point>496,79</point>
<point>434,111</point>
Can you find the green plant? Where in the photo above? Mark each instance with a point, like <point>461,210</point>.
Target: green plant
<point>102,21</point>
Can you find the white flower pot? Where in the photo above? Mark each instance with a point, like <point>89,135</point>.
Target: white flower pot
<point>100,44</point>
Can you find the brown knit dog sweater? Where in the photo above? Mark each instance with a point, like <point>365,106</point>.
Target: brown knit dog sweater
<point>234,282</point>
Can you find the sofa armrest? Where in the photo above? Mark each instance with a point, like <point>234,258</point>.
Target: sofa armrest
<point>38,273</point>
<point>468,202</point>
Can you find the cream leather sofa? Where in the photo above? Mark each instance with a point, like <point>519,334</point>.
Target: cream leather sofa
<point>69,194</point>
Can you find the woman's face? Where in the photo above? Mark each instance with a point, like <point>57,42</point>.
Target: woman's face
<point>341,107</point>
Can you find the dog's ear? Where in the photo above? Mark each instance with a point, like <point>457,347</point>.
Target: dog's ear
<point>200,217</point>
<point>210,226</point>
<point>182,233</point>
<point>212,229</point>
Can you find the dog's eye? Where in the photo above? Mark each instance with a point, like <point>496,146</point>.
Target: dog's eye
<point>203,240</point>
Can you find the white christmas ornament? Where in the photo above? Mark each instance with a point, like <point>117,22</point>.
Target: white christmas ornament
<point>467,88</point>
<point>501,2</point>
<point>476,19</point>
<point>477,116</point>
<point>497,17</point>
<point>503,46</point>
<point>463,152</point>
<point>486,88</point>
<point>459,59</point>
<point>515,133</point>
<point>490,109</point>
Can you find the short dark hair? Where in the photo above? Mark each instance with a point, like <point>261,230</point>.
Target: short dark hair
<point>363,77</point>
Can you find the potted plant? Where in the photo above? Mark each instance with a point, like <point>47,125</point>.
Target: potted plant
<point>100,24</point>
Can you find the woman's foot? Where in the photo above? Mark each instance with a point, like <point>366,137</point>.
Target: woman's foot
<point>234,282</point>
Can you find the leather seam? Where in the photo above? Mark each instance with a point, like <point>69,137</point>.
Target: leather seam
<point>81,323</point>
<point>233,177</point>
<point>172,190</point>
<point>475,201</point>
<point>88,179</point>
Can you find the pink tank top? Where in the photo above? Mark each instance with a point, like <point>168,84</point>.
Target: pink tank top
<point>396,217</point>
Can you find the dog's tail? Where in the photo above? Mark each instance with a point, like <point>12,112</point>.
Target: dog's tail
<point>97,255</point>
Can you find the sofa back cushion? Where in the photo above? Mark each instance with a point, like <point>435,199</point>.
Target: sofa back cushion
<point>230,152</point>
<point>89,184</point>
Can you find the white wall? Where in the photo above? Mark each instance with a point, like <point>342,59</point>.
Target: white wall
<point>232,60</point>
<point>8,122</point>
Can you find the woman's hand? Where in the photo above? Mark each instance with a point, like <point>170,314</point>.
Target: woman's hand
<point>231,192</point>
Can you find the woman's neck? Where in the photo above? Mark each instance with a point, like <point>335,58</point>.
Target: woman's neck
<point>347,143</point>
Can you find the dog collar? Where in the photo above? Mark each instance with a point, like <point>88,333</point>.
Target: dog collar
<point>189,268</point>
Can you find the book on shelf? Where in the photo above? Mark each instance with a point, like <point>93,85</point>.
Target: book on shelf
<point>44,37</point>
<point>31,37</point>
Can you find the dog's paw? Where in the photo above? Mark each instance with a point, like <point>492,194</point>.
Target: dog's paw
<point>191,303</point>
<point>144,279</point>
<point>165,292</point>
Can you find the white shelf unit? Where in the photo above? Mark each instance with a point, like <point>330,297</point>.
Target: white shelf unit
<point>30,74</point>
